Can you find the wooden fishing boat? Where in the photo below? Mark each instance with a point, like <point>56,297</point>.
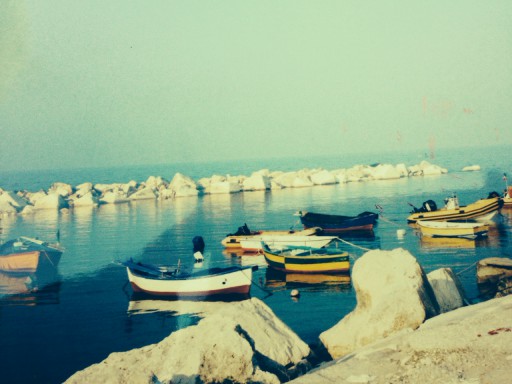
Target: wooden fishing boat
<point>481,210</point>
<point>336,223</point>
<point>282,241</point>
<point>307,260</point>
<point>164,281</point>
<point>470,230</point>
<point>28,255</point>
<point>244,233</point>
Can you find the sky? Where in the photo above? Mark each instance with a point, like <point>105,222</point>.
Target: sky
<point>118,82</point>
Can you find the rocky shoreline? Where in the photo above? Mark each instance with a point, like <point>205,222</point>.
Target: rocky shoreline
<point>62,196</point>
<point>407,327</point>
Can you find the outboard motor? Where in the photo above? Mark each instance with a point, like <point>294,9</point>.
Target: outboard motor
<point>198,249</point>
<point>428,206</point>
<point>494,194</point>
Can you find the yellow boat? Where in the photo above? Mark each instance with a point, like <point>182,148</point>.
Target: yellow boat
<point>307,260</point>
<point>469,230</point>
<point>480,210</point>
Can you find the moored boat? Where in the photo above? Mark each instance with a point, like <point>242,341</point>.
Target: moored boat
<point>282,241</point>
<point>337,223</point>
<point>244,233</point>
<point>28,255</point>
<point>307,260</point>
<point>470,230</point>
<point>162,281</point>
<point>480,210</point>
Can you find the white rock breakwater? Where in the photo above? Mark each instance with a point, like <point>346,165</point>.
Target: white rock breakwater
<point>64,196</point>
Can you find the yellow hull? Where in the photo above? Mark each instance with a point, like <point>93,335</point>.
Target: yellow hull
<point>314,263</point>
<point>483,209</point>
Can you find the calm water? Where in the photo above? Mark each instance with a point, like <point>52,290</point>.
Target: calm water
<point>85,312</point>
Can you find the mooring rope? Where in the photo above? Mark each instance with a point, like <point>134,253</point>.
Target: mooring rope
<point>353,245</point>
<point>466,269</point>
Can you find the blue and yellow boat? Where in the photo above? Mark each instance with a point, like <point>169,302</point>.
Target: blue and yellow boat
<point>307,260</point>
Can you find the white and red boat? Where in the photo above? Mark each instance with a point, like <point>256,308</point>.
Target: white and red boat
<point>164,281</point>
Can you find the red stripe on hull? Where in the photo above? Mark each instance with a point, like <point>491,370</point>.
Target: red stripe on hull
<point>241,290</point>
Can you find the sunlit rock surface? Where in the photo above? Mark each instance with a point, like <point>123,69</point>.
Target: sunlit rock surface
<point>470,345</point>
<point>392,294</point>
<point>447,289</point>
<point>51,201</point>
<point>239,342</point>
<point>180,186</point>
<point>471,168</point>
<point>10,198</point>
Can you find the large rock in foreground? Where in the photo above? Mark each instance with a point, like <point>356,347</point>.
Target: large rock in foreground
<point>239,342</point>
<point>392,294</point>
<point>472,344</point>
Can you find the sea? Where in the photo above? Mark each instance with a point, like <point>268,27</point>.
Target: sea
<point>54,325</point>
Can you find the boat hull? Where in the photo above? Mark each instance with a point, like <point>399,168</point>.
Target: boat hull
<point>336,223</point>
<point>481,210</point>
<point>453,229</point>
<point>28,256</point>
<point>254,245</point>
<point>237,281</point>
<point>233,241</point>
<point>285,261</point>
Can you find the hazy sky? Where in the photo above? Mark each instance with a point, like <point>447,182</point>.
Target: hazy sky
<point>91,83</point>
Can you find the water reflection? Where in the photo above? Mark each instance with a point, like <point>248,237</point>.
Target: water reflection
<point>277,280</point>
<point>42,287</point>
<point>429,242</point>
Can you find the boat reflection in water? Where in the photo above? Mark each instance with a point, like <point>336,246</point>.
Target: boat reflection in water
<point>277,280</point>
<point>38,288</point>
<point>452,242</point>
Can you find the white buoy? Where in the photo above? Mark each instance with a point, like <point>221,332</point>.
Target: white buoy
<point>295,293</point>
<point>400,233</point>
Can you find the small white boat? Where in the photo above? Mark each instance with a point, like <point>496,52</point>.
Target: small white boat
<point>232,241</point>
<point>162,281</point>
<point>470,230</point>
<point>254,244</point>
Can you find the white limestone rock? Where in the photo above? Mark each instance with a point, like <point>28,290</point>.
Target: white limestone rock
<point>86,200</point>
<point>13,199</point>
<point>180,186</point>
<point>144,193</point>
<point>447,289</point>
<point>28,210</point>
<point>84,188</point>
<point>7,209</point>
<point>240,342</point>
<point>156,182</point>
<point>392,293</point>
<point>34,196</point>
<point>386,172</point>
<point>323,177</point>
<point>256,182</point>
<point>472,344</point>
<point>341,176</point>
<point>117,196</point>
<point>471,168</point>
<point>425,168</point>
<point>359,173</point>
<point>223,187</point>
<point>51,201</point>
<point>62,189</point>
